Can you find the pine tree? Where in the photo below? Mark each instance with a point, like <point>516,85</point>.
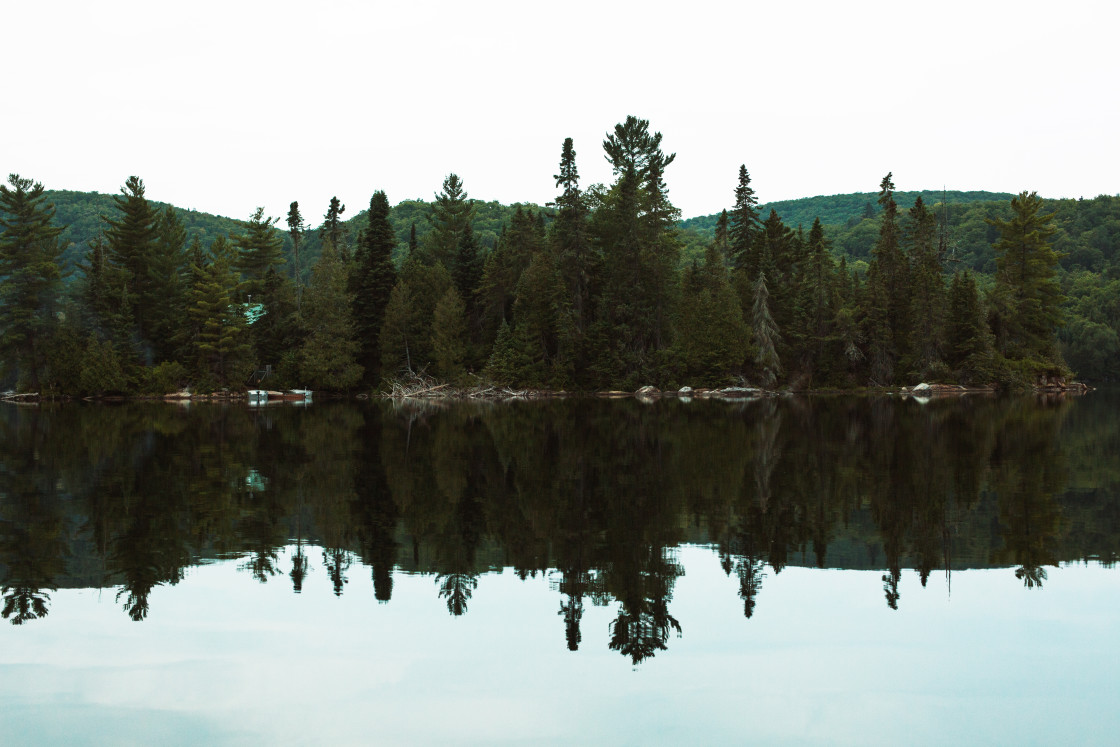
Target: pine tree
<point>328,359</point>
<point>222,349</point>
<point>1027,283</point>
<point>375,277</point>
<point>451,213</point>
<point>334,231</point>
<point>29,277</point>
<point>132,240</point>
<point>640,253</point>
<point>259,248</point>
<point>169,277</point>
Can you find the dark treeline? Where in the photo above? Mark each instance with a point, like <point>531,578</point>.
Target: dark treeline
<point>595,494</point>
<point>603,289</point>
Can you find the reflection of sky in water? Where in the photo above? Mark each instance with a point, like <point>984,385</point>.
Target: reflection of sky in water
<point>224,659</point>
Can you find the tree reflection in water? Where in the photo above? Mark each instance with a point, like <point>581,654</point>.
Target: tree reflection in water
<point>597,495</point>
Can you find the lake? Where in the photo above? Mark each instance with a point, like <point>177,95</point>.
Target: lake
<point>818,569</point>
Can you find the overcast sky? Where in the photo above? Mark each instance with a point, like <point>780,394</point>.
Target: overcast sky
<point>224,106</point>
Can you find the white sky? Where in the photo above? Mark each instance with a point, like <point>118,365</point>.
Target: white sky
<point>224,106</point>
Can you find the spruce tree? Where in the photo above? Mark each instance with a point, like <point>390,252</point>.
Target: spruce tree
<point>29,277</point>
<point>1027,285</point>
<point>765,333</point>
<point>574,259</point>
<point>296,230</point>
<point>375,277</point>
<point>744,226</point>
<point>894,272</point>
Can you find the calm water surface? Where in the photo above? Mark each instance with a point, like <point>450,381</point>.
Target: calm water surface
<point>803,570</point>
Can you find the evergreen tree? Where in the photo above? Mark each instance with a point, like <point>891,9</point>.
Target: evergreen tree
<point>723,238</point>
<point>169,277</point>
<point>968,347</point>
<point>296,230</point>
<point>766,334</point>
<point>1027,285</point>
<point>877,326</point>
<point>328,359</point>
<point>334,230</point>
<point>222,349</point>
<point>744,226</point>
<point>258,250</point>
<point>712,337</point>
<point>451,214</point>
<point>640,253</point>
<point>449,336</point>
<point>819,303</point>
<point>539,293</point>
<point>407,332</point>
<point>398,332</point>
<point>894,272</point>
<point>518,244</point>
<point>106,299</point>
<point>927,306</point>
<point>29,277</point>
<point>574,260</point>
<point>375,277</point>
<point>132,240</point>
<point>468,267</point>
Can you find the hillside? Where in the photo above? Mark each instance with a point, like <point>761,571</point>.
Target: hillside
<point>847,209</point>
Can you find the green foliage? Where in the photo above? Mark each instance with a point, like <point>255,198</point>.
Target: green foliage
<point>328,359</point>
<point>258,251</point>
<point>450,216</point>
<point>1027,294</point>
<point>29,277</point>
<point>169,376</point>
<point>374,278</point>
<point>449,336</point>
<point>102,372</point>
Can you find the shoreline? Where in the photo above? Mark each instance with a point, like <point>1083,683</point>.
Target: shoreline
<point>444,391</point>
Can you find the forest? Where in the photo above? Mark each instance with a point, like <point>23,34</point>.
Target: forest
<point>603,288</point>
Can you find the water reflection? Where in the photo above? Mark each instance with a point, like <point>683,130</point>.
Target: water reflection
<point>598,495</point>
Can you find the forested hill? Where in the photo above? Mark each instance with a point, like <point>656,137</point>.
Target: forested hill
<point>847,209</point>
<point>80,214</point>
